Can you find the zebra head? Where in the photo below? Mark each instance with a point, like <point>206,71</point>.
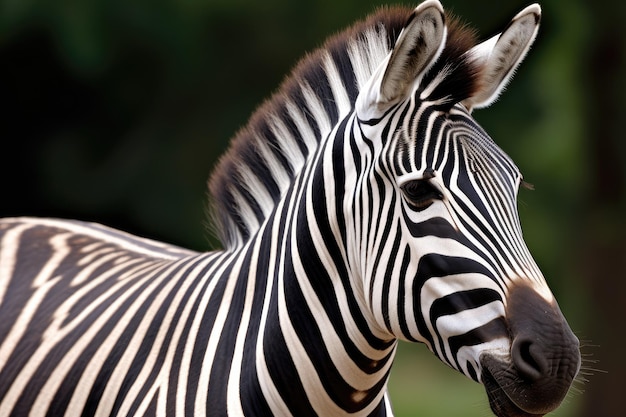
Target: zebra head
<point>446,263</point>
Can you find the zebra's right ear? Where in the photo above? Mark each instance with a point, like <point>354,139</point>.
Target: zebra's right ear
<point>418,46</point>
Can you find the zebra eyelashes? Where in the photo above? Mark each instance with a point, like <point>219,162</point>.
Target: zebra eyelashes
<point>421,193</point>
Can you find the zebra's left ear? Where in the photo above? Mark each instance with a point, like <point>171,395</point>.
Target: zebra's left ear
<point>500,56</point>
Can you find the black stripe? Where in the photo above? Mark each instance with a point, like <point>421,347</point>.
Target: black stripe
<point>280,364</point>
<point>495,329</point>
<point>253,402</point>
<point>393,256</point>
<point>459,301</point>
<point>320,280</point>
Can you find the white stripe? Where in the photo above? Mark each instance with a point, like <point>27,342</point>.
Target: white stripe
<point>44,282</point>
<point>304,129</point>
<point>336,85</point>
<point>316,107</point>
<point>288,147</point>
<point>275,268</point>
<point>8,254</point>
<point>233,399</point>
<point>194,330</point>
<point>214,337</point>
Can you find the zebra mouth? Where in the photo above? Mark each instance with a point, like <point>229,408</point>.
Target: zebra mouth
<point>499,401</point>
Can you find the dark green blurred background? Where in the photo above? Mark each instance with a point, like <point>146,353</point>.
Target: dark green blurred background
<point>115,111</point>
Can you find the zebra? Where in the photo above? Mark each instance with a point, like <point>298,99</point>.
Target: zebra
<point>361,205</point>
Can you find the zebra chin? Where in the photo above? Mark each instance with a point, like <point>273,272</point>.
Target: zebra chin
<point>543,361</point>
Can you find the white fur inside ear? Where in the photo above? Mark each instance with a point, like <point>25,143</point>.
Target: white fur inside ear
<point>419,45</point>
<point>480,53</point>
<point>501,55</point>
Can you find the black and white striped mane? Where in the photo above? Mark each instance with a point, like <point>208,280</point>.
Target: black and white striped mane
<point>267,154</point>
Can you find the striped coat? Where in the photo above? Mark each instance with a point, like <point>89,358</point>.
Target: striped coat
<point>361,205</point>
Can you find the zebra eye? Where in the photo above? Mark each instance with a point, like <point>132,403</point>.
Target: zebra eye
<point>421,193</point>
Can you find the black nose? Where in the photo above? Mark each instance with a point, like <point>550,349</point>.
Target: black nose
<point>529,357</point>
<point>544,350</point>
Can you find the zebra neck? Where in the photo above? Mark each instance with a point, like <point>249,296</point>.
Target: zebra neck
<point>310,364</point>
<point>315,353</point>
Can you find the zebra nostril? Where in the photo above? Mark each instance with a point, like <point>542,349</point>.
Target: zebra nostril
<point>529,358</point>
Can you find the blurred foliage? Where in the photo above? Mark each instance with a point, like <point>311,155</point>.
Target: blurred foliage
<point>115,111</point>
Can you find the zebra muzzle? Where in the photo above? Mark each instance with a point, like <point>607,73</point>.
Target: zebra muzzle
<point>544,358</point>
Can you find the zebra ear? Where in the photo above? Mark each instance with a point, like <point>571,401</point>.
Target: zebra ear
<point>418,46</point>
<point>500,56</point>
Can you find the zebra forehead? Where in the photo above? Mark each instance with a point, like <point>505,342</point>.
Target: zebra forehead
<point>450,132</point>
<point>281,136</point>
